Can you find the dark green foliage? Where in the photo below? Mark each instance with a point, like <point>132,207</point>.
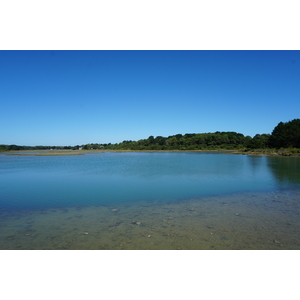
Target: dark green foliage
<point>259,141</point>
<point>189,141</point>
<point>13,148</point>
<point>19,148</point>
<point>286,135</point>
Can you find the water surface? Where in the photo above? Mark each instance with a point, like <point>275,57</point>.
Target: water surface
<point>163,200</point>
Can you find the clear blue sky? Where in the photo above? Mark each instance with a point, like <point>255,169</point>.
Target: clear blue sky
<point>79,97</point>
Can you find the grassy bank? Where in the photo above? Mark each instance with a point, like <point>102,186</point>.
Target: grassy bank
<point>270,152</point>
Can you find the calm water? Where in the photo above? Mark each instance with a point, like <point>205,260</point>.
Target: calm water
<point>173,200</point>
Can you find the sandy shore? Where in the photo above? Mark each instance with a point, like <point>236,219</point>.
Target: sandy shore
<point>58,152</point>
<point>82,152</point>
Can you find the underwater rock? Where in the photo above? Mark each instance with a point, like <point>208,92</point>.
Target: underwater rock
<point>136,223</point>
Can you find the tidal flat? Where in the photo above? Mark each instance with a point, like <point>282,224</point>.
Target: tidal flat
<point>255,221</point>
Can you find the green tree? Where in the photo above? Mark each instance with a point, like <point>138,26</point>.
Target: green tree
<point>151,139</point>
<point>286,135</point>
<point>259,141</point>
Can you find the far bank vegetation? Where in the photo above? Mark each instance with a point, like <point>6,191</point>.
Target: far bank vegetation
<point>284,140</point>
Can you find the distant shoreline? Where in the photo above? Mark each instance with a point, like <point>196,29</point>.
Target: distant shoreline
<point>82,152</point>
<point>260,152</point>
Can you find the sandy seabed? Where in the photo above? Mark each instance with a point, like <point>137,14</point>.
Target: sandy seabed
<point>242,221</point>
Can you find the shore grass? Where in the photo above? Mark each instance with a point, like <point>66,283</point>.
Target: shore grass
<point>270,152</point>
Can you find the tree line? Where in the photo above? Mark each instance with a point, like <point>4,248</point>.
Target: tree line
<point>284,135</point>
<point>19,148</point>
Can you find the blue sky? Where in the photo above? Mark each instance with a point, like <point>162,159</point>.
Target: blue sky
<point>79,97</point>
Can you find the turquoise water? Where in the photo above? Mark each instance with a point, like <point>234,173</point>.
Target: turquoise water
<point>41,189</point>
<point>29,182</point>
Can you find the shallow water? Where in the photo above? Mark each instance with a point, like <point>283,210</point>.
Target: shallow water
<point>149,201</point>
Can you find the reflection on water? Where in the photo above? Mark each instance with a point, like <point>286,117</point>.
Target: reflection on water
<point>150,201</point>
<point>286,170</point>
